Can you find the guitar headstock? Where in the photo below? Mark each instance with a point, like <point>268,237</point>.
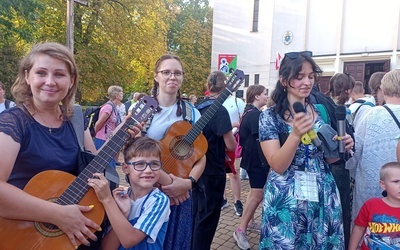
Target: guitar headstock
<point>144,109</point>
<point>235,80</point>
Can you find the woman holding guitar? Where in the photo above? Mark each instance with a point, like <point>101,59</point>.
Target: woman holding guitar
<point>36,136</point>
<point>168,78</point>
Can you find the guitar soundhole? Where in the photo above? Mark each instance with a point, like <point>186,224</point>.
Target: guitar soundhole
<point>180,149</point>
<point>47,229</point>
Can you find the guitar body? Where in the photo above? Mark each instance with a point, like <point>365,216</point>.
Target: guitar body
<point>178,156</point>
<point>47,185</point>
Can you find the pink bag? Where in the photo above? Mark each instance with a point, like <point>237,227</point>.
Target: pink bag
<point>238,150</point>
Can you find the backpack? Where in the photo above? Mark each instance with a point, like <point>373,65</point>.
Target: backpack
<point>91,116</point>
<point>7,104</point>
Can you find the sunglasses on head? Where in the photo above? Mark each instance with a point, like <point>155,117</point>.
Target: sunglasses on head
<point>295,55</point>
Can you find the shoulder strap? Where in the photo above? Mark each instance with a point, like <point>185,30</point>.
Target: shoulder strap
<point>324,113</point>
<point>188,112</point>
<point>78,124</point>
<point>391,113</point>
<point>364,103</point>
<point>7,103</point>
<point>204,104</point>
<point>359,101</point>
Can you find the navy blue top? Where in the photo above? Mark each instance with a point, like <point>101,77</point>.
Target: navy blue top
<point>40,150</point>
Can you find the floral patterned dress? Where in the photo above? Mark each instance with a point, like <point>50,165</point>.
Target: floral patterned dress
<point>288,223</point>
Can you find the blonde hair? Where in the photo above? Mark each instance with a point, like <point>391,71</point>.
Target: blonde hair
<point>385,169</point>
<point>113,92</point>
<point>22,91</point>
<point>391,83</point>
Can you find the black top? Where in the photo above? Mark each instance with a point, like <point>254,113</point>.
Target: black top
<point>252,156</point>
<point>218,125</point>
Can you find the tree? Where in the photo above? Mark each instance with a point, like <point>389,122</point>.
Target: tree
<point>190,37</point>
<point>116,41</point>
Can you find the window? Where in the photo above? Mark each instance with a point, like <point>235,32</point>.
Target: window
<point>255,15</point>
<point>246,80</point>
<point>256,79</point>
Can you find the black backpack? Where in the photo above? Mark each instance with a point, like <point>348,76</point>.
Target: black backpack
<point>90,117</point>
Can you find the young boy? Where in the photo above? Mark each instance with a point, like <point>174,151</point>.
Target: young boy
<point>139,218</point>
<point>378,221</point>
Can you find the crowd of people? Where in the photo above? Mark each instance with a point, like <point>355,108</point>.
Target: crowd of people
<point>318,188</point>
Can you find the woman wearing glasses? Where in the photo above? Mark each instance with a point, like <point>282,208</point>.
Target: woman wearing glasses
<point>168,78</point>
<point>301,202</point>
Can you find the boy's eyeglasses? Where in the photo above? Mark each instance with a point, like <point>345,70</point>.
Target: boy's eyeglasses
<point>142,165</point>
<point>295,55</point>
<point>167,74</point>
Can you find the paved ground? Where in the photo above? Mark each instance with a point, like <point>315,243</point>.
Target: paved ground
<point>228,222</point>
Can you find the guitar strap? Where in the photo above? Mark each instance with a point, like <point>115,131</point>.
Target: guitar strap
<point>188,112</point>
<point>78,124</point>
<point>205,103</point>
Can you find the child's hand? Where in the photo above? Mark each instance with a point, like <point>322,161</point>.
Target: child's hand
<point>122,200</point>
<point>101,186</point>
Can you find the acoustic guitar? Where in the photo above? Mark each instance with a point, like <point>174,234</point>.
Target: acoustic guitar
<point>66,189</point>
<point>184,144</point>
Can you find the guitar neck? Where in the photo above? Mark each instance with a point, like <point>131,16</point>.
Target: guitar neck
<point>142,111</point>
<point>74,193</point>
<point>206,117</point>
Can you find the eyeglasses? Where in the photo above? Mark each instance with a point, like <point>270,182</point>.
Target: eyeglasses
<point>167,74</point>
<point>142,165</point>
<point>295,55</point>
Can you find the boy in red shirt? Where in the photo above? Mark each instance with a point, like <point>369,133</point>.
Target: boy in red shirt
<point>377,224</point>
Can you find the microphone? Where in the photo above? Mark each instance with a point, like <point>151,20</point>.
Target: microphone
<point>298,107</point>
<point>340,113</point>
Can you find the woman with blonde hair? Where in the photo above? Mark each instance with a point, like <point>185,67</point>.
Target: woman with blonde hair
<point>38,135</point>
<point>376,139</point>
<point>109,118</point>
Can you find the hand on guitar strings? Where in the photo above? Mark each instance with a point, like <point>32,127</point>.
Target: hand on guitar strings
<point>133,130</point>
<point>178,191</point>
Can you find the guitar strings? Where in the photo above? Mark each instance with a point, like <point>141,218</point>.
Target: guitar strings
<point>234,81</point>
<point>191,136</point>
<point>79,186</point>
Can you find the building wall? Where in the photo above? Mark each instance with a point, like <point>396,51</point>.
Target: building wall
<point>336,31</point>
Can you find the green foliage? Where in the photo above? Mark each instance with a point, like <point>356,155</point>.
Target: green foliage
<point>116,42</point>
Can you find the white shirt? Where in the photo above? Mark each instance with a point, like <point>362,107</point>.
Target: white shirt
<point>3,106</point>
<point>235,107</point>
<point>163,120</point>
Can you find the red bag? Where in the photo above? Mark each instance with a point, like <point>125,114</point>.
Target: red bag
<point>230,162</point>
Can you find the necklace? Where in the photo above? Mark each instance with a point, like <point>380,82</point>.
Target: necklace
<point>45,122</point>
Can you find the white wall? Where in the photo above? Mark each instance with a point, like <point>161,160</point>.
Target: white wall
<point>337,31</point>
